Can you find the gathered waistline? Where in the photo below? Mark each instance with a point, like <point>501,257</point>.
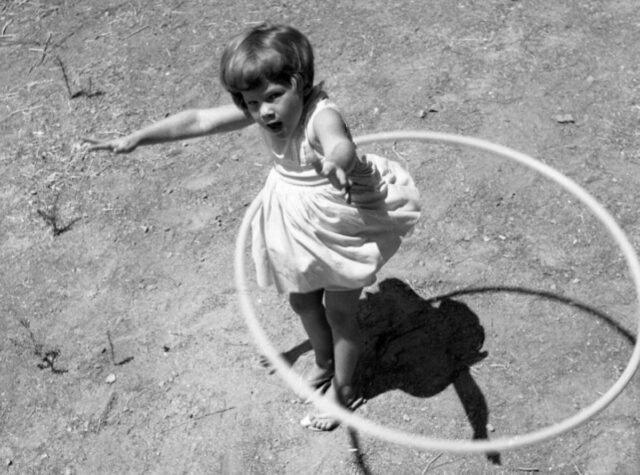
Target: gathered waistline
<point>305,176</point>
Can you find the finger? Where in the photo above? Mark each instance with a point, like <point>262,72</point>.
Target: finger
<point>102,146</point>
<point>97,144</point>
<point>341,176</point>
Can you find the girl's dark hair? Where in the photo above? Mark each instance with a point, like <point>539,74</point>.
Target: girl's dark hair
<point>274,53</point>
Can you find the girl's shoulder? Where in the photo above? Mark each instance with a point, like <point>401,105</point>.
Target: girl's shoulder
<point>318,99</point>
<point>317,102</point>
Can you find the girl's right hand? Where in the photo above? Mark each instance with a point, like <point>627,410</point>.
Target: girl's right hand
<point>124,144</point>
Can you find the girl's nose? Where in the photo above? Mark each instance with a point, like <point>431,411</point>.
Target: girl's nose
<point>266,111</point>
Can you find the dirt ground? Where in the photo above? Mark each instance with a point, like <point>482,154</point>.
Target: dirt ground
<point>508,309</point>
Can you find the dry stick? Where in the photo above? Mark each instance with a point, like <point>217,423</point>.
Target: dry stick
<point>448,462</point>
<point>4,28</point>
<point>44,53</point>
<point>105,412</point>
<point>135,32</point>
<point>402,158</point>
<point>219,411</point>
<point>354,448</point>
<point>589,439</point>
<point>431,462</point>
<point>46,45</point>
<point>112,353</point>
<point>64,75</point>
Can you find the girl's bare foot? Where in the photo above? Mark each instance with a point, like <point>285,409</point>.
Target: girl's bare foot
<point>327,422</point>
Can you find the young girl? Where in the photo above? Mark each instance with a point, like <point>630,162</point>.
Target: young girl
<point>329,219</point>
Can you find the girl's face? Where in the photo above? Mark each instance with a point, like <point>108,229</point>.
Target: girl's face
<point>276,108</point>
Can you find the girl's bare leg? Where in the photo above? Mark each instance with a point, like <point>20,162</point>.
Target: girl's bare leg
<point>310,308</point>
<point>341,311</point>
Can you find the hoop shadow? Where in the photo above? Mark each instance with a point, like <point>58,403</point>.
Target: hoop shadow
<point>420,346</point>
<point>607,319</point>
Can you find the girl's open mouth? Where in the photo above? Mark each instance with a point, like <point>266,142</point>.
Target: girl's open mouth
<point>275,126</point>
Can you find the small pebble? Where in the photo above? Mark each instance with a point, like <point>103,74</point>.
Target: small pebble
<point>490,428</point>
<point>110,379</point>
<point>564,119</point>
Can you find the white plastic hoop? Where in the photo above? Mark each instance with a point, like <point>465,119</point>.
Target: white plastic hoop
<point>415,440</point>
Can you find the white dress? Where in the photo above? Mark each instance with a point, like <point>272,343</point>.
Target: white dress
<point>306,236</point>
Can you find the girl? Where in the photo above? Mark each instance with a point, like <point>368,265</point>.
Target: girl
<point>329,218</point>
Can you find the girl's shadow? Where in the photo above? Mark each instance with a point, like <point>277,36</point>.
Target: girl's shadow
<point>420,347</point>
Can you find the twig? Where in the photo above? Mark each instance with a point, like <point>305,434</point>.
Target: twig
<point>44,50</point>
<point>401,157</point>
<point>580,445</point>
<point>105,412</point>
<point>526,469</point>
<point>448,462</point>
<point>51,218</point>
<point>135,32</point>
<point>64,75</point>
<point>111,356</point>
<point>81,92</point>
<point>358,455</point>
<point>44,53</point>
<point>4,28</point>
<point>219,411</point>
<point>49,361</point>
<point>112,353</point>
<point>431,462</point>
<point>47,358</point>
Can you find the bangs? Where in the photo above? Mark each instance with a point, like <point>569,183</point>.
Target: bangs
<point>249,71</point>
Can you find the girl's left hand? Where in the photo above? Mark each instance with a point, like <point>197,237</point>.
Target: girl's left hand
<point>337,177</point>
<point>124,144</point>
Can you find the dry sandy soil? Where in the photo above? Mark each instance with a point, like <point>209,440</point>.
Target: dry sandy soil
<point>122,347</point>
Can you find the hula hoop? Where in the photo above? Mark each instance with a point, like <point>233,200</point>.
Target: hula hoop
<point>415,440</point>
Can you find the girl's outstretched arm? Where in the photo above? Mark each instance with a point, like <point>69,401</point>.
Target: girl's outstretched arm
<point>337,146</point>
<point>186,124</point>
